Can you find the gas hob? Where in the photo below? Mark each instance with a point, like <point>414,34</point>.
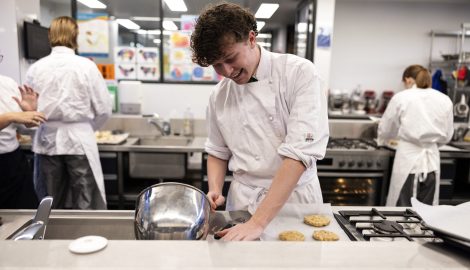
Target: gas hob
<point>375,225</point>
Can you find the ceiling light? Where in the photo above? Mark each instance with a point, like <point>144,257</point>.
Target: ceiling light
<point>169,25</point>
<point>92,3</point>
<point>128,24</point>
<point>176,5</point>
<point>149,19</point>
<point>157,41</point>
<point>302,27</point>
<point>265,11</point>
<point>260,25</point>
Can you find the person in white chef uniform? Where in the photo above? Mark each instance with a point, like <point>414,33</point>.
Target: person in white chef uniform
<point>421,118</point>
<point>17,111</point>
<point>267,120</point>
<point>75,99</point>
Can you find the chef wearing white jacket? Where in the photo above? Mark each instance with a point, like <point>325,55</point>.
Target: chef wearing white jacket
<point>267,119</point>
<point>75,99</point>
<point>16,111</point>
<point>421,119</point>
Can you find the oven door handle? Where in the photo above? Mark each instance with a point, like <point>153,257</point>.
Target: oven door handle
<point>349,174</point>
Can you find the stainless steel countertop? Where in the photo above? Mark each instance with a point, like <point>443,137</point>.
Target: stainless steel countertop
<point>133,254</point>
<point>196,145</point>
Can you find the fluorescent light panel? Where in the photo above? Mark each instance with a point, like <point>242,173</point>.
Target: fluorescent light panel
<point>128,24</point>
<point>148,19</point>
<point>92,3</point>
<point>265,11</point>
<point>176,5</point>
<point>169,25</point>
<point>260,25</point>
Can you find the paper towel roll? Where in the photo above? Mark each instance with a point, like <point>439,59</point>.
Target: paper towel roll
<point>130,92</point>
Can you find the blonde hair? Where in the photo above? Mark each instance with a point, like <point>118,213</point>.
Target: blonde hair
<point>63,32</point>
<point>420,74</point>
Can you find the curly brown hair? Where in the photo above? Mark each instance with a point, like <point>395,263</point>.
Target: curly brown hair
<point>217,26</point>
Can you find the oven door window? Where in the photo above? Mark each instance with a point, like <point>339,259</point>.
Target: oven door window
<point>351,188</point>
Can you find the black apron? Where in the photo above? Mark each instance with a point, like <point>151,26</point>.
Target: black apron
<point>16,182</point>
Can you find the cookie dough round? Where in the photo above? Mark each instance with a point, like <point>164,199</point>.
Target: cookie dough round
<point>291,236</point>
<point>317,220</point>
<point>323,235</point>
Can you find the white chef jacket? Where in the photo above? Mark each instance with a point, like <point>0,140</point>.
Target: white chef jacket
<point>255,125</point>
<point>8,89</point>
<point>422,120</point>
<point>71,90</point>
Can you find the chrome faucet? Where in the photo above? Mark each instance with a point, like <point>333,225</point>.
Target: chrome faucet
<point>162,126</point>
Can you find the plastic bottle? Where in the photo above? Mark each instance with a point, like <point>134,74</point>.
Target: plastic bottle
<point>188,122</point>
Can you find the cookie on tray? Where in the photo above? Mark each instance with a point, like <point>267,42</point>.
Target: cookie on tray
<point>291,236</point>
<point>323,235</point>
<point>317,220</point>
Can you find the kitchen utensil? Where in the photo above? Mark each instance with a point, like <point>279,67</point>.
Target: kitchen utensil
<point>171,211</point>
<point>461,108</point>
<point>36,227</point>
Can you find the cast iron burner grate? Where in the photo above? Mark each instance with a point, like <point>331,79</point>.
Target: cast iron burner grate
<point>374,225</point>
<point>350,143</point>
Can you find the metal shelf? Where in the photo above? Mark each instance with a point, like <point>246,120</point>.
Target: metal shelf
<point>449,33</point>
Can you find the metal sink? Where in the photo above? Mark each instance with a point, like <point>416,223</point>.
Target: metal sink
<point>165,141</point>
<point>113,228</point>
<point>153,158</point>
<point>116,225</point>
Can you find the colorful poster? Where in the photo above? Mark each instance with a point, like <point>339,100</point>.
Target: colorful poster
<point>125,71</point>
<point>180,39</point>
<point>188,22</point>
<point>147,55</point>
<point>180,56</point>
<point>93,34</point>
<point>180,72</point>
<point>125,55</point>
<point>203,73</point>
<point>148,72</point>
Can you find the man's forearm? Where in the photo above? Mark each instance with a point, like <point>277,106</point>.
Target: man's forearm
<point>216,169</point>
<point>283,184</point>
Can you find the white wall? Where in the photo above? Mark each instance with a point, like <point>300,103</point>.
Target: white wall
<point>168,100</point>
<point>10,65</point>
<point>374,41</point>
<point>322,56</point>
<point>12,15</point>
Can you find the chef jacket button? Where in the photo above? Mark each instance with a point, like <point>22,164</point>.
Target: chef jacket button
<point>257,157</point>
<point>271,118</point>
<point>270,82</point>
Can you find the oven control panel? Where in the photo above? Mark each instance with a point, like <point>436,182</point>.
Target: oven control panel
<point>354,162</point>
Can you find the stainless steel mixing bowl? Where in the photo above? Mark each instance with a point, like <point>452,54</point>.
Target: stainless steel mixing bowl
<point>171,211</point>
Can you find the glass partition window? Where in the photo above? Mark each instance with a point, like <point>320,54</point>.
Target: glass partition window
<point>149,40</point>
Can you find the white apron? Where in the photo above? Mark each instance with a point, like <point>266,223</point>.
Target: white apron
<point>83,132</point>
<point>247,191</point>
<point>424,158</point>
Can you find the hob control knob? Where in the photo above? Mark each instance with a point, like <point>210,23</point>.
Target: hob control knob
<point>351,163</point>
<point>369,163</point>
<point>360,163</point>
<point>379,164</point>
<point>341,163</point>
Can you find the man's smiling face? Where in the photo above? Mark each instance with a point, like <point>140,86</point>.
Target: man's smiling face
<point>239,61</point>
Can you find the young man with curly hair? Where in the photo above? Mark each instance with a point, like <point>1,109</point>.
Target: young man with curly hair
<point>267,120</point>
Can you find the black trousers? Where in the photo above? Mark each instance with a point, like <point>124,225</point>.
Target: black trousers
<point>16,182</point>
<point>425,190</point>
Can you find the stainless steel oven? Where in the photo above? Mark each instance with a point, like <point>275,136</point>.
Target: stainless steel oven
<point>354,172</point>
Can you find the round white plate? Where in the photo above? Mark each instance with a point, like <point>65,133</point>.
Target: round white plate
<point>88,244</point>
